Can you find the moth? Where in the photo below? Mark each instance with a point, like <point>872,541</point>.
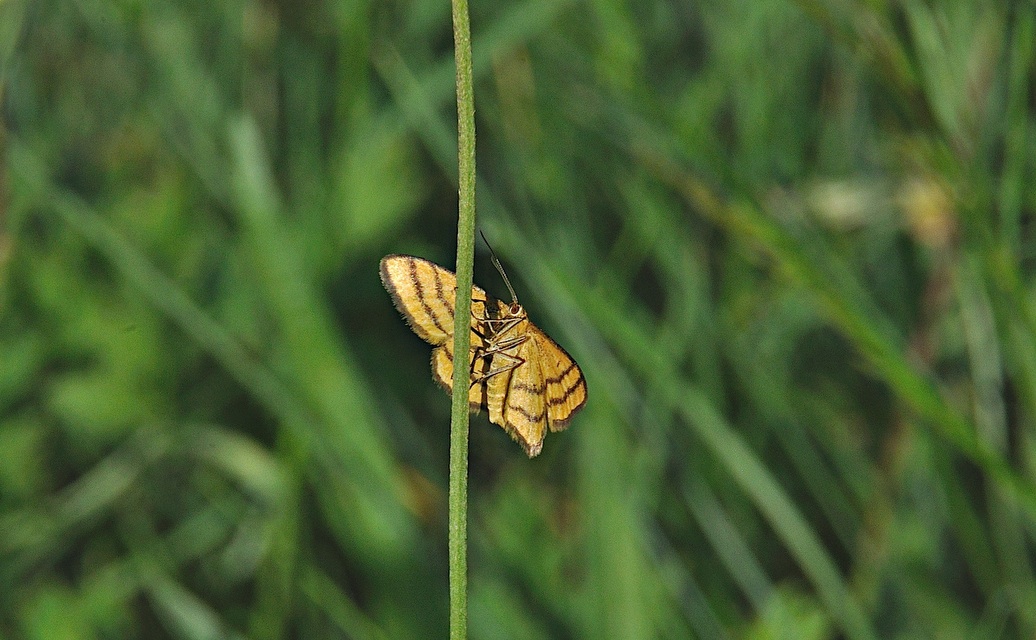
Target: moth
<point>526,382</point>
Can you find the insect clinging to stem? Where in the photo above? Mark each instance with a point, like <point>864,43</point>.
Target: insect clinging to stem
<point>525,380</point>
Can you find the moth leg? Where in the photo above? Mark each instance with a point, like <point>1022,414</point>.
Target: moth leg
<point>517,362</point>
<point>514,319</point>
<point>500,351</point>
<point>479,333</point>
<point>499,325</point>
<point>496,350</point>
<point>491,347</point>
<point>484,317</point>
<point>509,323</point>
<point>504,345</point>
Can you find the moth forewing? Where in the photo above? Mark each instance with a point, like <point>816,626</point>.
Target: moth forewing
<point>422,292</point>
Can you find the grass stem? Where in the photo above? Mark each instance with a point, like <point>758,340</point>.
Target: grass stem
<point>458,498</point>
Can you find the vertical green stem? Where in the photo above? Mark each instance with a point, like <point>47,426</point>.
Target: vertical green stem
<point>458,501</point>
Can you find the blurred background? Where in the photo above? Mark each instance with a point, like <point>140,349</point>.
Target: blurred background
<point>791,245</point>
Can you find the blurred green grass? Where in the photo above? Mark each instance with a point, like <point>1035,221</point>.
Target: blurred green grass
<point>790,244</point>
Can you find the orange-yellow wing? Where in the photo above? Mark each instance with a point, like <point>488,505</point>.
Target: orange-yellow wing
<point>516,399</point>
<point>423,292</point>
<point>565,387</point>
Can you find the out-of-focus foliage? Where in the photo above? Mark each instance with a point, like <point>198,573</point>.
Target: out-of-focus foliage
<point>791,245</point>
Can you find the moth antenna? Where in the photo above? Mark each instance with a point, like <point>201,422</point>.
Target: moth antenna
<point>499,267</point>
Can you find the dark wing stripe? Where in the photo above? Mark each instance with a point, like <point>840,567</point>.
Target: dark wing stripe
<point>531,417</point>
<point>397,299</point>
<point>483,400</point>
<point>507,388</point>
<point>521,386</point>
<point>420,296</point>
<point>561,376</point>
<point>439,292</point>
<point>568,389</point>
<point>553,402</point>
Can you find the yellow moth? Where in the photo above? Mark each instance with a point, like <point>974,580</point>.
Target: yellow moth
<point>523,378</point>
